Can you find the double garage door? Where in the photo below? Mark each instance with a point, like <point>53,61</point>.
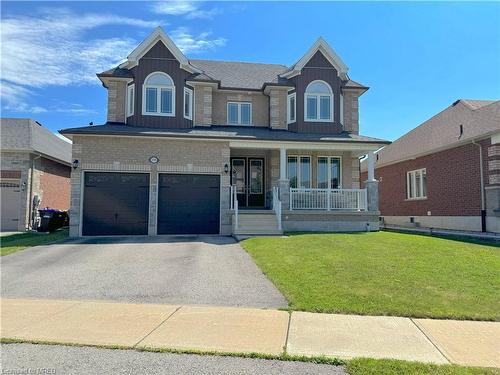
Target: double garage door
<point>118,204</point>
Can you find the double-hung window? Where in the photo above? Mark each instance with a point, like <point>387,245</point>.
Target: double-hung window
<point>291,108</point>
<point>328,172</point>
<point>318,102</point>
<point>299,171</point>
<point>130,100</point>
<point>239,113</point>
<point>158,95</point>
<point>416,184</point>
<point>188,103</point>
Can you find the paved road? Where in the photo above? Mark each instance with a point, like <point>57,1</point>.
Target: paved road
<point>208,270</point>
<point>81,360</point>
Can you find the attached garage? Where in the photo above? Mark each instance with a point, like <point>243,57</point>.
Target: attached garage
<point>115,203</point>
<point>10,205</point>
<point>188,204</point>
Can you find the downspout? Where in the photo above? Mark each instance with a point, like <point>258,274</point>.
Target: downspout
<point>483,206</point>
<point>32,174</point>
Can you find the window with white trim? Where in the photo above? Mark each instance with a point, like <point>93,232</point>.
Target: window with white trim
<point>158,95</point>
<point>188,103</point>
<point>416,184</point>
<point>130,100</point>
<point>239,113</point>
<point>318,102</point>
<point>291,108</point>
<point>328,172</point>
<point>299,171</point>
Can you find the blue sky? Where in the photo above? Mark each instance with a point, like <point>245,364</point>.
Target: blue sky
<point>417,58</point>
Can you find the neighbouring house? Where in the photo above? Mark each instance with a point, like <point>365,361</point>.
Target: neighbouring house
<point>445,173</point>
<point>199,146</point>
<point>35,172</point>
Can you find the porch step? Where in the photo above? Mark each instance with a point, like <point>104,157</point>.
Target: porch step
<point>257,223</point>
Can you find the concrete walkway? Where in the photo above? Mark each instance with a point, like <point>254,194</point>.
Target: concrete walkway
<point>244,330</point>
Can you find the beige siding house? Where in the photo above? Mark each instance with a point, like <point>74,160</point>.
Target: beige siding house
<point>197,146</point>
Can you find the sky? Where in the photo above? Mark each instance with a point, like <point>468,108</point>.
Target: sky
<point>416,57</point>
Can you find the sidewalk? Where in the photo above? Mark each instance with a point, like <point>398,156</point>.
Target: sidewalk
<point>244,330</point>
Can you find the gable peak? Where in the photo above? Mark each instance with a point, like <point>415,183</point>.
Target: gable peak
<point>151,40</point>
<point>322,46</point>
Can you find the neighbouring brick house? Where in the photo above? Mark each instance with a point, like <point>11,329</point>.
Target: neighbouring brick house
<point>197,146</point>
<point>431,176</point>
<point>35,172</point>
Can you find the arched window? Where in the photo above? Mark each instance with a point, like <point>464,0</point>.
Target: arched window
<point>158,95</point>
<point>318,102</point>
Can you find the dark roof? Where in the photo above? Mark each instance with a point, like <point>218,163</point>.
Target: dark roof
<point>239,74</point>
<point>222,132</point>
<point>353,84</point>
<point>234,75</point>
<point>116,72</point>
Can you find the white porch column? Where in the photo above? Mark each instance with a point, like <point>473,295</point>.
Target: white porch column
<point>282,163</point>
<point>371,166</point>
<point>372,184</point>
<point>284,184</point>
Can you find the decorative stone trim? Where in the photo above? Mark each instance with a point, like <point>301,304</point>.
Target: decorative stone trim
<point>494,179</point>
<point>494,165</point>
<point>494,150</point>
<point>117,166</point>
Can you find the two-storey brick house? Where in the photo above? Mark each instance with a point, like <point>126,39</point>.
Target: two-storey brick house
<point>197,146</point>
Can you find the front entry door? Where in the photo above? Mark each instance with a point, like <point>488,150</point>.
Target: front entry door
<point>248,177</point>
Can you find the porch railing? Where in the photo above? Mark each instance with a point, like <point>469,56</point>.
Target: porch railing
<point>234,205</point>
<point>277,205</point>
<point>328,199</point>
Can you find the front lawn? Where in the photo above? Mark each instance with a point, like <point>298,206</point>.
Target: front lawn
<point>364,366</point>
<point>383,273</point>
<point>19,241</point>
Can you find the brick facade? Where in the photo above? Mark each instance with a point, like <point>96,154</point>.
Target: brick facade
<point>453,184</point>
<point>38,176</point>
<point>54,184</point>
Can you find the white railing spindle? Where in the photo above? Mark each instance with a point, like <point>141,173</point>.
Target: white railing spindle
<point>328,199</point>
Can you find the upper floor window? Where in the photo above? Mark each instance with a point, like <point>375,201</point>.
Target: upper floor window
<point>158,95</point>
<point>291,108</point>
<point>130,100</point>
<point>239,113</point>
<point>318,102</point>
<point>416,184</point>
<point>188,103</point>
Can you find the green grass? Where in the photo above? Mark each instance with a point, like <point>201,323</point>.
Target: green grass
<point>364,366</point>
<point>15,242</point>
<point>383,273</point>
<point>358,366</point>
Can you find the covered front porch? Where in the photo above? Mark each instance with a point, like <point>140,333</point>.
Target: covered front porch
<point>301,187</point>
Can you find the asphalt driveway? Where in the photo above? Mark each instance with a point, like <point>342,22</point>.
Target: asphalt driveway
<point>209,270</point>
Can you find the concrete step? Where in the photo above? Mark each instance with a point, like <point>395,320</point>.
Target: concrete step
<point>256,212</point>
<point>257,220</point>
<point>268,232</point>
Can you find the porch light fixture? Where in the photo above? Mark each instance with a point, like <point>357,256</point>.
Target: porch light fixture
<point>226,168</point>
<point>76,162</point>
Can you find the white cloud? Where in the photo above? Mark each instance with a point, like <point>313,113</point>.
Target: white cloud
<point>189,43</point>
<point>191,9</point>
<point>53,48</point>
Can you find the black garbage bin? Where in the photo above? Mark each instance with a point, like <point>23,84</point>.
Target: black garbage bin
<point>51,220</point>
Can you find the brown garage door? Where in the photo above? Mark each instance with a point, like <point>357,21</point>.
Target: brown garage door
<point>115,203</point>
<point>188,204</point>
